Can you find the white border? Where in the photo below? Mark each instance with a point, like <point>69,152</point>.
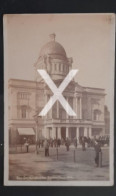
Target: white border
<point>6,147</point>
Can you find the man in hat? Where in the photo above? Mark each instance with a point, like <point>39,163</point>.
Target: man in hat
<point>97,150</point>
<point>46,146</point>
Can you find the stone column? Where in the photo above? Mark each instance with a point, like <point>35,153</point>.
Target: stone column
<point>46,132</point>
<point>51,113</point>
<point>50,133</point>
<point>80,108</point>
<point>46,100</point>
<point>53,132</point>
<point>67,132</point>
<point>57,108</point>
<point>73,106</point>
<point>77,132</point>
<point>59,132</point>
<point>66,112</point>
<point>43,132</point>
<point>85,131</point>
<point>76,108</point>
<point>53,67</point>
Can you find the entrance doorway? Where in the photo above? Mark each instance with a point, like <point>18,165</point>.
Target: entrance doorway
<point>63,132</point>
<point>72,132</point>
<point>81,131</point>
<point>96,131</point>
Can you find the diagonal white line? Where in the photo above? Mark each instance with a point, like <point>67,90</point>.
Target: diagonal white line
<point>57,92</point>
<point>66,106</point>
<point>67,80</point>
<point>48,106</point>
<point>48,80</point>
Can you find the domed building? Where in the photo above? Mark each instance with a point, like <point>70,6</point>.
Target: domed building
<point>28,98</point>
<point>54,60</point>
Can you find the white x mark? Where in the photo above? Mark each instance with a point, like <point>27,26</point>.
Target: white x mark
<point>57,92</point>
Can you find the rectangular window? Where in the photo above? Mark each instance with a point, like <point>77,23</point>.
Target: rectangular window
<point>22,95</point>
<point>23,111</point>
<point>55,67</point>
<point>59,67</point>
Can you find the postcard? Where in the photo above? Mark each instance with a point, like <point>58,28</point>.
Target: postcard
<point>59,99</point>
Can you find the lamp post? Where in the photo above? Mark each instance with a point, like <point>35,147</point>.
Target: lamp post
<point>57,142</point>
<point>38,125</point>
<point>36,132</point>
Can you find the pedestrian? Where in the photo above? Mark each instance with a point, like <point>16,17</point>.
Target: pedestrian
<point>51,142</point>
<point>42,142</point>
<point>97,151</point>
<point>27,146</point>
<point>88,142</point>
<point>37,145</point>
<point>83,144</point>
<point>58,142</point>
<point>55,142</point>
<point>46,147</point>
<point>75,142</point>
<point>67,144</point>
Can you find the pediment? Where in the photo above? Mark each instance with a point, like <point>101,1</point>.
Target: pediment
<point>78,88</point>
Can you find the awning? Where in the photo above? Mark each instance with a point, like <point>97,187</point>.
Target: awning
<point>26,131</point>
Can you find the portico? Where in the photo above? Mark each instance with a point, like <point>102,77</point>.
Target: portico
<point>67,132</point>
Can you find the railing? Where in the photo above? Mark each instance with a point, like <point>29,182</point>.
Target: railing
<point>21,148</point>
<point>68,121</point>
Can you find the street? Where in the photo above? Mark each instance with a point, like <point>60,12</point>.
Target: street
<point>32,166</point>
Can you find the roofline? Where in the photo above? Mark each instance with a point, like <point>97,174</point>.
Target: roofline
<point>85,87</point>
<point>95,88</point>
<point>14,79</point>
<point>21,80</point>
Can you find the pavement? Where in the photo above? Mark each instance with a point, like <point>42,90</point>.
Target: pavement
<point>32,166</point>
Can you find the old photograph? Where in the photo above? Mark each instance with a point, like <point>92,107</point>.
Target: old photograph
<point>59,99</point>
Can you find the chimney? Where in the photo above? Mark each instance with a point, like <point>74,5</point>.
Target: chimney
<point>52,37</point>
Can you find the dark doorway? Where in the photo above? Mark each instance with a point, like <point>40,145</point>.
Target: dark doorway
<point>81,131</point>
<point>63,133</point>
<point>72,132</point>
<point>96,131</point>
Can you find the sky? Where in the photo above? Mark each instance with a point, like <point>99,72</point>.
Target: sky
<point>87,38</point>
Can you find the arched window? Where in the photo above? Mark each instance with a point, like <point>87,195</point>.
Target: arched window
<point>96,114</point>
<point>23,111</point>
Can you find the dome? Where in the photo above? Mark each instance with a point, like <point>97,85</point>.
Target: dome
<point>53,48</point>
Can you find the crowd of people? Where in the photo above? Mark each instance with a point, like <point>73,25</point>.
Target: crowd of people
<point>85,142</point>
<point>102,140</point>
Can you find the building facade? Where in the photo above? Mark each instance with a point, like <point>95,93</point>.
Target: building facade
<point>28,98</point>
